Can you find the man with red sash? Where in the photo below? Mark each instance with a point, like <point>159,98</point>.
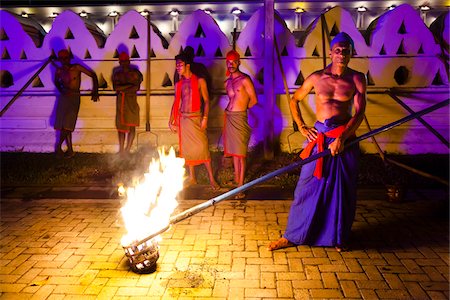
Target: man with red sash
<point>324,205</point>
<point>189,117</point>
<point>126,82</point>
<point>236,130</point>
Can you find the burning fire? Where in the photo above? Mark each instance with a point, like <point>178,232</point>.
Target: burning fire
<point>150,203</point>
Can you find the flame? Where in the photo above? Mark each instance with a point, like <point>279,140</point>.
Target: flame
<point>151,202</point>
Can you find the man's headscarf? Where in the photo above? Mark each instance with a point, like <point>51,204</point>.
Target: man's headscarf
<point>123,56</point>
<point>64,52</point>
<point>342,37</point>
<point>232,55</point>
<point>185,57</point>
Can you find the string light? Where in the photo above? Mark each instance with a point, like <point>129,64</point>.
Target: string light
<point>83,14</point>
<point>362,9</point>
<point>113,14</point>
<point>236,11</point>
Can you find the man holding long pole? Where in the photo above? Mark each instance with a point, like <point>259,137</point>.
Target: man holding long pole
<point>324,203</point>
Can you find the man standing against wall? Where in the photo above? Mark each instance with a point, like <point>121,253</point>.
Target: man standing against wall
<point>324,205</point>
<point>190,120</point>
<point>67,81</point>
<point>126,82</point>
<point>236,133</point>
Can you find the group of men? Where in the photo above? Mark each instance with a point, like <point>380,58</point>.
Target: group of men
<point>324,203</point>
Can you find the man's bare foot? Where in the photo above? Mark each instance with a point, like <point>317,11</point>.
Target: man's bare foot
<point>341,248</point>
<point>215,186</point>
<point>281,243</point>
<point>59,153</point>
<point>69,154</point>
<point>239,196</point>
<point>230,183</point>
<point>189,182</point>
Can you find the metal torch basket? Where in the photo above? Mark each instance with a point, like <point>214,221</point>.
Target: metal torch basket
<point>142,256</point>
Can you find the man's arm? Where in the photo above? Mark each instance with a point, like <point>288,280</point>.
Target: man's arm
<point>172,125</point>
<point>91,74</point>
<point>57,81</point>
<point>132,85</point>
<point>300,94</point>
<point>250,89</point>
<point>205,96</point>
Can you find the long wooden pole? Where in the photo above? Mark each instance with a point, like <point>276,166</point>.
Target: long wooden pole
<point>269,93</point>
<point>196,209</point>
<point>148,81</point>
<point>424,123</point>
<point>399,164</point>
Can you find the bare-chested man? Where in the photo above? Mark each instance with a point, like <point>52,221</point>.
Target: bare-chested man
<point>126,82</point>
<point>67,81</point>
<point>324,203</point>
<point>236,132</point>
<point>189,117</point>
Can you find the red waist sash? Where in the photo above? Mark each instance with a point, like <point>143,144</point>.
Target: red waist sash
<point>320,141</point>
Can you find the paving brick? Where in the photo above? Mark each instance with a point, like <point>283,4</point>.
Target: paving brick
<point>433,273</point>
<point>260,293</point>
<point>236,293</point>
<point>353,265</point>
<point>307,284</point>
<point>414,277</point>
<point>394,282</point>
<point>434,286</point>
<point>372,273</point>
<point>44,292</point>
<point>370,284</point>
<point>291,276</point>
<point>435,295</point>
<point>415,290</point>
<point>368,294</point>
<point>252,272</point>
<point>284,289</point>
<point>329,281</point>
<point>326,293</point>
<point>220,289</point>
<point>333,268</point>
<point>393,294</point>
<point>268,281</point>
<point>349,289</point>
<point>69,289</point>
<point>312,272</point>
<point>244,283</point>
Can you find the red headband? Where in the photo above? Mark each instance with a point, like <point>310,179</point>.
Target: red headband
<point>123,56</point>
<point>233,55</point>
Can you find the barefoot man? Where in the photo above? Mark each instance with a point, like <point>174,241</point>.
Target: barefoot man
<point>67,81</point>
<point>236,131</point>
<point>126,82</point>
<point>190,120</point>
<point>324,203</point>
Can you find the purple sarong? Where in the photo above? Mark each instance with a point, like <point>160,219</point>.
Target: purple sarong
<point>323,210</point>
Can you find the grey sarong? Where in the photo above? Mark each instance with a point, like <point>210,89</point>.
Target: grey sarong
<point>236,133</point>
<point>67,109</point>
<point>194,146</point>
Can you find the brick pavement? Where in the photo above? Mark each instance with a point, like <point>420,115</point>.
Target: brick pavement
<point>70,249</point>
